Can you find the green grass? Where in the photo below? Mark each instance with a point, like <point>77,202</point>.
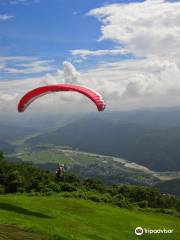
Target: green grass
<point>85,160</point>
<point>49,156</point>
<point>44,157</point>
<point>80,219</point>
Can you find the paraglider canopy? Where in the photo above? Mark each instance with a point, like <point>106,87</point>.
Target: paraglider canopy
<point>29,97</point>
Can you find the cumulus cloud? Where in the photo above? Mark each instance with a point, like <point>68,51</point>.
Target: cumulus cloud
<point>68,74</point>
<point>150,31</point>
<point>124,85</point>
<point>146,28</point>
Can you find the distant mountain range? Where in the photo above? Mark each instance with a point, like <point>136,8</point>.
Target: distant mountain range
<point>159,117</point>
<point>9,131</point>
<point>158,148</point>
<point>6,147</point>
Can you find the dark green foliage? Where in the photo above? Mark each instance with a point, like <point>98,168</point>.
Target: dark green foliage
<point>72,178</point>
<point>22,177</point>
<point>143,204</point>
<point>95,185</point>
<point>54,187</point>
<point>1,156</point>
<point>122,203</point>
<point>170,187</point>
<point>95,198</point>
<point>178,205</point>
<point>2,189</point>
<point>67,187</point>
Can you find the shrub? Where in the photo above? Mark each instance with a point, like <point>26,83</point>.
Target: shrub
<point>106,198</point>
<point>143,204</point>
<point>94,198</point>
<point>92,184</point>
<point>122,203</point>
<point>67,187</point>
<point>54,187</point>
<point>72,178</point>
<point>2,189</point>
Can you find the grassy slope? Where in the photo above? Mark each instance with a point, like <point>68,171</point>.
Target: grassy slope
<point>80,219</point>
<point>8,232</point>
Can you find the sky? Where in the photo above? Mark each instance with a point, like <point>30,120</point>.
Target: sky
<point>129,51</point>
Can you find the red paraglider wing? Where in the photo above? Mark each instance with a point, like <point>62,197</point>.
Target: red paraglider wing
<point>29,97</point>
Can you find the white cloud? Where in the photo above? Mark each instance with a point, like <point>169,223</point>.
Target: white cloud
<point>1,67</point>
<point>5,17</point>
<point>68,74</point>
<point>150,77</point>
<point>84,53</point>
<point>124,85</point>
<point>25,65</point>
<point>15,2</point>
<point>147,28</point>
<point>4,97</point>
<point>16,58</point>
<point>31,68</point>
<point>150,31</point>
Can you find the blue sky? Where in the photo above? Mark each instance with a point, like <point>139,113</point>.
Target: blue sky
<point>50,29</point>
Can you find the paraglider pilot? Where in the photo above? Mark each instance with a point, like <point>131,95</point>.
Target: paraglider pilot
<point>60,172</point>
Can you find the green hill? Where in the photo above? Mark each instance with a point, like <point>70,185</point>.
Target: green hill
<point>75,219</point>
<point>79,209</point>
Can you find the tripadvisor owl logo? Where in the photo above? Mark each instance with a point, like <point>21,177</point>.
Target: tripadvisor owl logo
<point>138,231</point>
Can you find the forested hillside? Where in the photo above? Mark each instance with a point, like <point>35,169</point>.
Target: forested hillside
<point>156,148</point>
<point>25,178</point>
